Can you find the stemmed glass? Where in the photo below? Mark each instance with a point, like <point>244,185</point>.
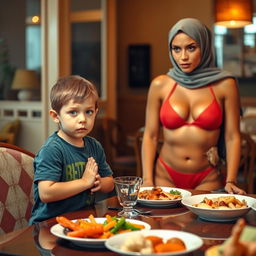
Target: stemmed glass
<point>127,188</point>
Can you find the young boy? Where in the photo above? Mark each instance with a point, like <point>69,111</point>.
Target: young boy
<point>70,166</point>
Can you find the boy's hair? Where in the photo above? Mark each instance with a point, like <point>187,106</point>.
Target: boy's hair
<point>74,88</point>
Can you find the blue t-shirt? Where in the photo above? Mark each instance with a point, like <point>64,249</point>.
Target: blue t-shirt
<point>60,161</point>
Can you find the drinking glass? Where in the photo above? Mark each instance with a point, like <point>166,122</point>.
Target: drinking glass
<point>127,189</point>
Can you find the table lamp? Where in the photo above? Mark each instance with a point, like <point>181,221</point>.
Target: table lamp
<point>25,81</point>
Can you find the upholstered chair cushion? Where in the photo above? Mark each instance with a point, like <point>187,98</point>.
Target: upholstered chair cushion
<point>16,186</point>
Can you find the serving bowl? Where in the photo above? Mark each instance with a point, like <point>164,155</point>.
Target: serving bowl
<point>219,215</point>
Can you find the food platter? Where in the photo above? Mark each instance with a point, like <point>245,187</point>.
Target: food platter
<point>192,242</point>
<point>163,203</point>
<point>218,215</point>
<point>58,231</point>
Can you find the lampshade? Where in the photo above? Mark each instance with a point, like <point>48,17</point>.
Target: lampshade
<point>25,80</point>
<point>233,13</point>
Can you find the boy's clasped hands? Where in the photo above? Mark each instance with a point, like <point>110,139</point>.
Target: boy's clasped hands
<point>91,176</point>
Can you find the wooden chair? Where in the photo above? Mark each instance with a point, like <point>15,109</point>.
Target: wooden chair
<point>248,125</point>
<point>137,148</point>
<point>16,182</point>
<point>9,132</point>
<point>119,154</point>
<point>246,175</point>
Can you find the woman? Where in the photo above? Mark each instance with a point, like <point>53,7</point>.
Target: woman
<point>191,103</point>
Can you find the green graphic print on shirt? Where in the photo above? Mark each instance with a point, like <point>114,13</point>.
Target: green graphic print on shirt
<point>74,171</point>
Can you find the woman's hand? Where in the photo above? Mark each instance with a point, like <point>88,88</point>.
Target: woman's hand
<point>147,183</point>
<point>231,188</point>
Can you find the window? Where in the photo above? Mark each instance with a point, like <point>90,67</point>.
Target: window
<point>87,41</point>
<point>236,49</point>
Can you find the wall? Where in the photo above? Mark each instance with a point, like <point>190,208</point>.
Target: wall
<point>148,22</point>
<point>30,136</point>
<point>12,32</point>
<point>12,29</point>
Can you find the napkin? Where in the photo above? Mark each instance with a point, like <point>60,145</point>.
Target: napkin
<point>248,234</point>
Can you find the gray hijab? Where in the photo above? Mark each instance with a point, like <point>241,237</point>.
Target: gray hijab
<point>206,72</point>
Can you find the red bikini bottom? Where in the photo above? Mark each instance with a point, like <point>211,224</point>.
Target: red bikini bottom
<point>186,180</point>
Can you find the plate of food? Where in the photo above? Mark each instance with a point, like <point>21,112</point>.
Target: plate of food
<point>254,206</point>
<point>161,196</point>
<point>154,242</point>
<point>93,232</point>
<point>213,250</point>
<point>219,207</point>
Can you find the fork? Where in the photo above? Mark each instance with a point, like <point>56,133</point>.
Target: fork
<point>141,212</point>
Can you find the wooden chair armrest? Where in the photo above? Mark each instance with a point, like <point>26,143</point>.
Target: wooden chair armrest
<point>7,137</point>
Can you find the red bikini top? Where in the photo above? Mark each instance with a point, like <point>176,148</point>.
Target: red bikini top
<point>209,119</point>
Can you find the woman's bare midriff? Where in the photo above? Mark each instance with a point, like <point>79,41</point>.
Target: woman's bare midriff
<point>184,151</point>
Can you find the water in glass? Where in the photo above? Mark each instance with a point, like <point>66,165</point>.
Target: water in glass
<point>127,188</point>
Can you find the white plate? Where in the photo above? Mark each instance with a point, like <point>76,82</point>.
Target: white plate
<point>57,230</point>
<point>161,203</point>
<point>254,206</point>
<point>192,242</point>
<point>218,215</point>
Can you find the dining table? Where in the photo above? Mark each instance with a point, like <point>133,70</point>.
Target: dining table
<point>37,239</point>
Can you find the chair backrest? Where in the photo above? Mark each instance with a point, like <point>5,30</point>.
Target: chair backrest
<point>246,176</point>
<point>16,183</point>
<point>248,125</point>
<point>138,145</point>
<point>116,138</point>
<point>112,137</point>
<point>119,153</point>
<point>137,150</point>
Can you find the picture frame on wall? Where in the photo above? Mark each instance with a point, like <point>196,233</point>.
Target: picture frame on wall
<point>139,65</point>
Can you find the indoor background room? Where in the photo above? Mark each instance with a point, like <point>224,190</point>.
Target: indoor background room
<point>120,45</point>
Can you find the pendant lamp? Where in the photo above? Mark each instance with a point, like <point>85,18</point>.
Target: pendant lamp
<point>233,13</point>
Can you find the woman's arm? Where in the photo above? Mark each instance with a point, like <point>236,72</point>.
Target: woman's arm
<point>151,132</point>
<point>232,133</point>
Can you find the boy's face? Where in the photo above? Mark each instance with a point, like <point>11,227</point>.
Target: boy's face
<point>76,120</point>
